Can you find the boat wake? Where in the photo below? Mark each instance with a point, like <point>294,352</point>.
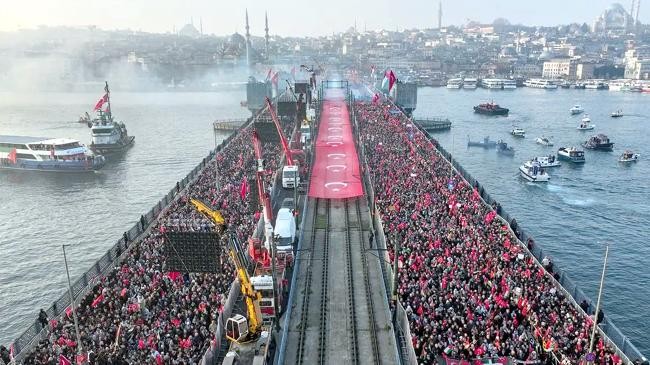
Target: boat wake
<point>570,197</point>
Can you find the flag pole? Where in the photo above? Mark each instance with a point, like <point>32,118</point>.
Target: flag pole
<point>72,304</point>
<point>108,100</point>
<point>600,292</point>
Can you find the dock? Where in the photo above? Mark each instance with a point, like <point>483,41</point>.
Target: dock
<point>228,124</point>
<point>433,124</point>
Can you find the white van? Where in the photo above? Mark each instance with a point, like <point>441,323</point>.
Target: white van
<point>285,227</point>
<point>290,177</point>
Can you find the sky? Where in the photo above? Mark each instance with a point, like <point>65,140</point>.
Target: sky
<point>295,18</point>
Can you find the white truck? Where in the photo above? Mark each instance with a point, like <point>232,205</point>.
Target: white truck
<point>290,177</point>
<point>285,228</point>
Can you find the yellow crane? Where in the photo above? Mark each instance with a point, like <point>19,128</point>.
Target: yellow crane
<point>239,329</point>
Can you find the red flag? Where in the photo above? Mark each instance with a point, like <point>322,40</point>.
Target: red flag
<point>100,102</point>
<point>274,80</point>
<point>81,359</point>
<point>375,98</point>
<point>391,80</point>
<point>243,188</point>
<point>12,156</point>
<point>68,311</point>
<point>97,300</point>
<point>64,360</point>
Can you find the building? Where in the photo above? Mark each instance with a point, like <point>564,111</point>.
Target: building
<point>637,63</point>
<point>559,68</point>
<point>585,71</point>
<point>615,18</point>
<point>527,69</point>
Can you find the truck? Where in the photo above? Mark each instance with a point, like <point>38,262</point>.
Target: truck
<point>290,176</point>
<point>285,229</point>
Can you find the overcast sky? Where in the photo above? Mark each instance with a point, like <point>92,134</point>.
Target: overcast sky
<point>297,18</point>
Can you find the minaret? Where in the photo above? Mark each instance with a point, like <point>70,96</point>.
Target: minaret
<point>636,14</point>
<point>248,42</point>
<point>440,15</point>
<point>201,25</point>
<point>632,15</point>
<point>266,35</point>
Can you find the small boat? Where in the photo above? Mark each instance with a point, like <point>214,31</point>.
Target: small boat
<point>47,154</point>
<point>585,124</point>
<point>518,132</point>
<point>544,141</point>
<point>491,109</point>
<point>576,109</point>
<point>485,143</point>
<point>504,149</point>
<point>571,154</point>
<point>617,114</point>
<point>535,172</point>
<point>544,161</point>
<point>599,142</point>
<point>629,156</point>
<point>108,135</point>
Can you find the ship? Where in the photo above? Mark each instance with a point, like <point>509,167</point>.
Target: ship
<point>108,135</point>
<point>599,142</point>
<point>47,154</point>
<point>571,154</point>
<point>491,109</point>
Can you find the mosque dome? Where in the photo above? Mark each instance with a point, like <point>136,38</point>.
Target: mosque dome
<point>237,40</point>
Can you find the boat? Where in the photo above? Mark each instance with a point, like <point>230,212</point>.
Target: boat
<point>509,84</point>
<point>540,84</point>
<point>629,156</point>
<point>47,154</point>
<point>470,83</point>
<point>599,142</point>
<point>579,86</point>
<point>576,109</point>
<point>454,83</point>
<point>494,84</point>
<point>518,132</point>
<point>617,114</point>
<point>485,143</point>
<point>504,149</point>
<point>595,85</point>
<point>565,85</point>
<point>108,135</point>
<point>619,85</point>
<point>491,109</point>
<point>544,141</point>
<point>585,124</point>
<point>571,154</point>
<point>544,161</point>
<point>534,172</point>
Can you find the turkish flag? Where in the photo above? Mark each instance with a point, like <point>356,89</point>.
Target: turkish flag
<point>12,156</point>
<point>97,300</point>
<point>101,102</point>
<point>391,80</point>
<point>64,360</point>
<point>243,188</point>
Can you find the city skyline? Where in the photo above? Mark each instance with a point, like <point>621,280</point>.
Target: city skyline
<point>290,19</point>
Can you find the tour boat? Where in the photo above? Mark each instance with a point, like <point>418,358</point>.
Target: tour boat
<point>108,135</point>
<point>535,173</point>
<point>504,149</point>
<point>490,109</point>
<point>518,132</point>
<point>485,143</point>
<point>585,124</point>
<point>595,85</point>
<point>571,154</point>
<point>617,114</point>
<point>544,141</point>
<point>629,156</point>
<point>454,83</point>
<point>470,83</point>
<point>540,84</point>
<point>599,142</point>
<point>47,154</point>
<point>544,161</point>
<point>576,109</point>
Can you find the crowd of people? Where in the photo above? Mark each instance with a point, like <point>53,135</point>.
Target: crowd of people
<point>469,288</point>
<point>143,314</point>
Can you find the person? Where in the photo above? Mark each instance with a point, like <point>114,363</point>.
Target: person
<point>4,355</point>
<point>370,239</point>
<point>585,306</point>
<point>42,318</point>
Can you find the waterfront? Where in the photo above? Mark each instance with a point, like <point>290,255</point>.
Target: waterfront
<point>582,207</point>
<point>90,212</point>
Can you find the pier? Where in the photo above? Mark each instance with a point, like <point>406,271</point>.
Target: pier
<point>433,124</point>
<point>228,124</point>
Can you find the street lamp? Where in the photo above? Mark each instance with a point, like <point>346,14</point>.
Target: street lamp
<point>600,292</point>
<point>72,303</point>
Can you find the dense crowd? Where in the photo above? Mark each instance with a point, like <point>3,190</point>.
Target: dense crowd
<point>142,314</point>
<point>469,288</point>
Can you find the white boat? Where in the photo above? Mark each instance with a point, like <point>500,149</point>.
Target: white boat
<point>576,109</point>
<point>470,83</point>
<point>493,84</point>
<point>509,84</point>
<point>585,124</point>
<point>629,156</point>
<point>518,132</point>
<point>534,172</point>
<point>617,114</point>
<point>619,85</point>
<point>454,83</point>
<point>544,141</point>
<point>571,154</point>
<point>544,161</point>
<point>47,154</point>
<point>595,85</point>
<point>540,84</point>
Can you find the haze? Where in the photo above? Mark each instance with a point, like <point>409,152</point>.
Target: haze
<point>293,18</point>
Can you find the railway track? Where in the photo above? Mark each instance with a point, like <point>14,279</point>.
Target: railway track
<point>322,329</point>
<point>352,307</point>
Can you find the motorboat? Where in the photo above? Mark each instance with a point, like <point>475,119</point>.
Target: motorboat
<point>544,141</point>
<point>504,149</point>
<point>571,154</point>
<point>544,161</point>
<point>491,109</point>
<point>585,124</point>
<point>617,114</point>
<point>629,156</point>
<point>534,172</point>
<point>485,143</point>
<point>576,109</point>
<point>599,142</point>
<point>518,132</point>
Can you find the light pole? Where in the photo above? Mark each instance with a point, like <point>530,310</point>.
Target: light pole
<point>216,161</point>
<point>72,304</point>
<point>600,292</point>
<point>276,309</point>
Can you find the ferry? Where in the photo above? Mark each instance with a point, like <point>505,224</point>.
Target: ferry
<point>494,84</point>
<point>108,135</point>
<point>599,142</point>
<point>491,109</point>
<point>571,154</point>
<point>470,83</point>
<point>509,84</point>
<point>576,109</point>
<point>534,172</point>
<point>454,83</point>
<point>595,85</point>
<point>619,85</point>
<point>540,84</point>
<point>544,161</point>
<point>47,154</point>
